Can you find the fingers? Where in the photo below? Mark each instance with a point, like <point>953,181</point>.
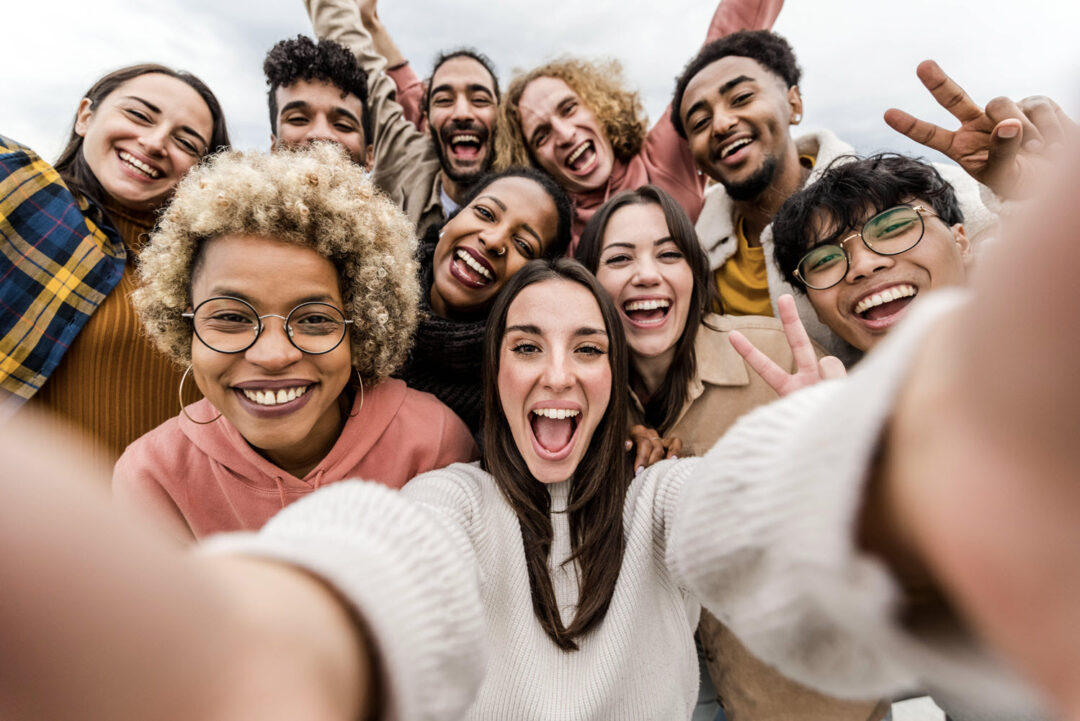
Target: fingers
<point>831,368</point>
<point>771,373</point>
<point>947,92</point>
<point>1000,109</point>
<point>674,447</point>
<point>802,350</point>
<point>1048,118</point>
<point>650,447</point>
<point>932,136</point>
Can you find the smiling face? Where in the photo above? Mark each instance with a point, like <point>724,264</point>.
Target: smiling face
<point>297,424</point>
<point>554,375</point>
<point>310,110</point>
<point>877,289</point>
<point>461,115</point>
<point>736,114</point>
<point>142,137</point>
<point>510,222</point>
<point>647,276</point>
<point>564,135</point>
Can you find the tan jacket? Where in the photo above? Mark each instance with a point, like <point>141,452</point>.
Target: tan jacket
<point>724,389</point>
<point>406,165</point>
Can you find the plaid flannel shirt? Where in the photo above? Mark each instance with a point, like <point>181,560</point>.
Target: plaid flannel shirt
<point>57,265</point>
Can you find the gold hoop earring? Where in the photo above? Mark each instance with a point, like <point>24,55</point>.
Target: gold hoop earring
<point>180,395</point>
<point>354,415</point>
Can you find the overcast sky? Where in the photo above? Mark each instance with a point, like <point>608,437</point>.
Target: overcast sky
<point>858,56</point>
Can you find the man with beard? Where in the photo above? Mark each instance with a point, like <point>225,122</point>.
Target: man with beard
<point>736,103</point>
<point>427,173</point>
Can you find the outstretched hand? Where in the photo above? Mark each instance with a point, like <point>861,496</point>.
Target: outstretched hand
<point>808,368</point>
<point>651,448</point>
<point>1004,145</point>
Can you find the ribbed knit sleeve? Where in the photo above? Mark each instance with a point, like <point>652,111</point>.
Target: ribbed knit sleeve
<point>409,571</point>
<point>764,536</point>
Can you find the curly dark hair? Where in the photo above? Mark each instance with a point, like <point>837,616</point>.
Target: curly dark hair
<point>849,191</point>
<point>764,46</point>
<point>301,58</point>
<point>463,52</point>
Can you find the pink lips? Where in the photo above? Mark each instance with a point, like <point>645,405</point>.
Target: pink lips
<point>275,411</point>
<point>464,277</point>
<point>565,451</point>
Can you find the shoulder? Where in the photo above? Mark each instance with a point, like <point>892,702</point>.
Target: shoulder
<point>159,454</point>
<point>767,334</point>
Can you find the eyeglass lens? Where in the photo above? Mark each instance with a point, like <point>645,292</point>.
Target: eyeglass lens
<point>229,325</point>
<point>890,232</point>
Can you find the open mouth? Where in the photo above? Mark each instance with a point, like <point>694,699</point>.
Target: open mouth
<point>272,397</point>
<point>138,166</point>
<point>732,150</point>
<point>647,312</point>
<point>583,158</point>
<point>274,401</point>
<point>468,267</point>
<point>883,307</point>
<point>553,431</point>
<point>466,145</point>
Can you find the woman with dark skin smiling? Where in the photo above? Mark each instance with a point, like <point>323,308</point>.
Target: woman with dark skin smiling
<point>509,219</point>
<point>71,344</point>
<point>300,299</point>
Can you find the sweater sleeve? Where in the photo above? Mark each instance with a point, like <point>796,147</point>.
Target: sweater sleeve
<point>410,91</point>
<point>764,536</point>
<point>665,153</point>
<point>405,563</point>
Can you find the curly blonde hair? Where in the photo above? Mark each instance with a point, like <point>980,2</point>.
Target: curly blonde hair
<point>312,197</point>
<point>599,84</point>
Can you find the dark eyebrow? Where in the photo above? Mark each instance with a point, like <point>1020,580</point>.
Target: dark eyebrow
<point>724,89</point>
<point>533,329</point>
<point>472,88</point>
<point>219,291</point>
<point>494,200</point>
<point>155,109</point>
<point>590,331</point>
<point>631,246</point>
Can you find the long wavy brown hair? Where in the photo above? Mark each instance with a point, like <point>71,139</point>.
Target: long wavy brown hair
<point>663,406</point>
<point>600,86</point>
<point>599,484</point>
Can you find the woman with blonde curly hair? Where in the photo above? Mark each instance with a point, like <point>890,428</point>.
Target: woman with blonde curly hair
<point>575,120</point>
<point>286,284</point>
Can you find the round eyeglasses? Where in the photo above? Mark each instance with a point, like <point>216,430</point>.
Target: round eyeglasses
<point>890,232</point>
<point>231,325</point>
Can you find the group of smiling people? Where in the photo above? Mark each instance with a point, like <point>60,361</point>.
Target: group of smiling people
<point>483,319</point>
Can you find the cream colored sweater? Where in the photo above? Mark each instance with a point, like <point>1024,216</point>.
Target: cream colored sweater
<point>760,530</point>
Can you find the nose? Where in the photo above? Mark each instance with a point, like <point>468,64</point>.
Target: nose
<point>153,140</point>
<point>272,350</point>
<point>562,130</point>
<point>723,122</point>
<point>462,109</point>
<point>645,273</point>
<point>557,375</point>
<point>863,262</point>
<point>320,129</point>
<point>494,241</point>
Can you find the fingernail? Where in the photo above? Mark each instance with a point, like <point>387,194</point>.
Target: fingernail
<point>629,445</point>
<point>673,456</point>
<point>639,469</point>
<point>1008,131</point>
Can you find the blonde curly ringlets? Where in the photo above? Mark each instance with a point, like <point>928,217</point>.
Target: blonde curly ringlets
<point>599,84</point>
<point>313,197</point>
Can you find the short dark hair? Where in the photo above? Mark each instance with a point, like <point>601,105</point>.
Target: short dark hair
<point>768,49</point>
<point>301,58</point>
<point>463,52</point>
<point>665,404</point>
<point>558,196</point>
<point>850,190</point>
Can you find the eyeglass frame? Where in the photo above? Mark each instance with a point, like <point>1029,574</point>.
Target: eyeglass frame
<point>259,329</point>
<point>921,210</point>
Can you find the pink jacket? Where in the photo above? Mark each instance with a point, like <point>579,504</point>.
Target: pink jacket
<point>207,477</point>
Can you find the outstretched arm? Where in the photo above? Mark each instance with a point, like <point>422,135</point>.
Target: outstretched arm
<point>735,15</point>
<point>1005,145</point>
<point>410,90</point>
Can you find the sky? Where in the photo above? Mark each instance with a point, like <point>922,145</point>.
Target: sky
<point>858,56</point>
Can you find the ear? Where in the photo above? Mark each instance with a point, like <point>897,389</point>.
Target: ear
<point>82,116</point>
<point>273,141</point>
<point>963,245</point>
<point>794,98</point>
<point>369,157</point>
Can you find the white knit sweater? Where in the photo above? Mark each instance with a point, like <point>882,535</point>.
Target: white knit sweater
<point>760,530</point>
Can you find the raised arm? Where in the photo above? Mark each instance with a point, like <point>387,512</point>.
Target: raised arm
<point>735,15</point>
<point>410,91</point>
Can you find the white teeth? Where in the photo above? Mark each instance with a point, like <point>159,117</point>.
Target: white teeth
<point>886,296</point>
<point>731,148</point>
<point>577,153</point>
<point>272,398</point>
<point>463,256</point>
<point>556,413</point>
<point>646,304</point>
<point>138,164</point>
<point>465,139</point>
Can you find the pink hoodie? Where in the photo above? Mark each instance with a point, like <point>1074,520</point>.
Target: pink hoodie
<point>208,478</point>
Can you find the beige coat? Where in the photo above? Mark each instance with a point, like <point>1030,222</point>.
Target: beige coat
<point>724,389</point>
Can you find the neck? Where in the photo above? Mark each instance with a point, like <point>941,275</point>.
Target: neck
<point>759,211</point>
<point>453,188</point>
<point>650,373</point>
<point>298,460</point>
